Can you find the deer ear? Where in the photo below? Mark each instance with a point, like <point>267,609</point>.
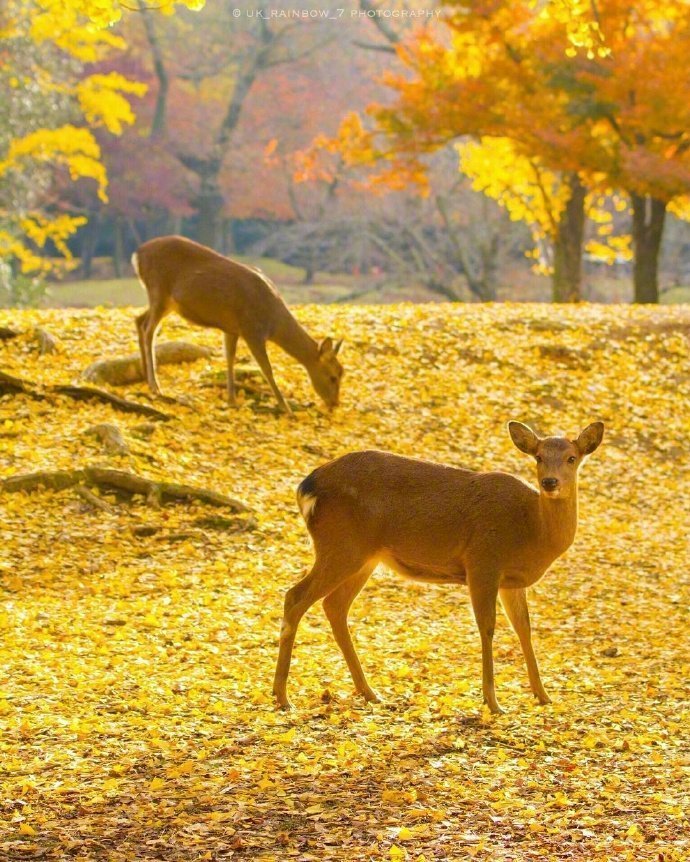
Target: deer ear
<point>590,438</point>
<point>337,347</point>
<point>325,346</point>
<point>523,437</point>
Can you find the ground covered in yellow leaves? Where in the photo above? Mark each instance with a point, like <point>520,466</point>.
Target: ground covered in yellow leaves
<point>137,643</point>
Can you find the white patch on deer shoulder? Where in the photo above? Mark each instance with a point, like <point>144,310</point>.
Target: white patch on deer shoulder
<point>135,265</point>
<point>306,505</point>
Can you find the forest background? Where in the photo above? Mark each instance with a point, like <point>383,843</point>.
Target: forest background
<point>463,150</point>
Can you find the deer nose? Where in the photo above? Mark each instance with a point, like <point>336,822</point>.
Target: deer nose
<point>549,484</point>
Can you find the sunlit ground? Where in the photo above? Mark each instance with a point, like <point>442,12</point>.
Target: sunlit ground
<point>137,722</point>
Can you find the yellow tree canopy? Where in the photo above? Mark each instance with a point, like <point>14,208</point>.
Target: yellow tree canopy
<point>64,15</point>
<point>45,42</point>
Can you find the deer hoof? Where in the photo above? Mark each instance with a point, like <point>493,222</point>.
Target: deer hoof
<point>282,700</point>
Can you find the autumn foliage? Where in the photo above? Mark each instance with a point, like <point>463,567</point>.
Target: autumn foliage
<point>138,643</point>
<point>556,113</point>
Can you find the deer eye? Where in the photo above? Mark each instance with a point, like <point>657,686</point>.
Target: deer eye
<point>538,459</point>
<point>572,459</point>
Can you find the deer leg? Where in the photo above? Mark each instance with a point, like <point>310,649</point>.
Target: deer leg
<point>147,324</point>
<point>337,605</point>
<point>230,350</point>
<point>258,349</point>
<point>483,593</point>
<point>515,605</point>
<point>325,576</point>
<point>141,321</point>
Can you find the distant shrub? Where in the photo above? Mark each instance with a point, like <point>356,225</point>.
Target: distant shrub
<point>20,291</point>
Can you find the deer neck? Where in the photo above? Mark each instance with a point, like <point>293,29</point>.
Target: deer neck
<point>558,521</point>
<point>295,340</point>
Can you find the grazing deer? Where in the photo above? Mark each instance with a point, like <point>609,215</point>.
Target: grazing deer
<point>490,531</point>
<point>211,290</point>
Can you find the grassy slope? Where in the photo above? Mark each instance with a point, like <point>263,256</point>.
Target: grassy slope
<point>127,291</point>
<point>119,292</point>
<point>136,687</point>
<point>330,288</point>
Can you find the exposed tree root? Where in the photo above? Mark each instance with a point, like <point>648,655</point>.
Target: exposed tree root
<point>197,531</point>
<point>128,369</point>
<point>10,385</point>
<point>110,436</point>
<point>88,393</point>
<point>47,342</point>
<point>93,500</point>
<point>156,493</point>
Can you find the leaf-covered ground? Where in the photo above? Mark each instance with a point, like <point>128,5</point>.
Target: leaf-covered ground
<point>135,707</point>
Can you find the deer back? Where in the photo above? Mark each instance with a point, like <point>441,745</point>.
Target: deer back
<point>415,511</point>
<point>207,288</point>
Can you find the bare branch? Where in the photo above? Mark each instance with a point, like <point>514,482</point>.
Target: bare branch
<point>379,22</point>
<point>371,46</point>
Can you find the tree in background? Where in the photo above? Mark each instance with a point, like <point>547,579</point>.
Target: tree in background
<point>554,205</point>
<point>449,239</point>
<point>538,96</point>
<point>149,189</point>
<point>156,166</point>
<point>238,53</point>
<point>636,97</point>
<point>509,71</point>
<point>433,231</point>
<point>486,80</point>
<point>212,110</point>
<point>221,174</point>
<point>53,102</point>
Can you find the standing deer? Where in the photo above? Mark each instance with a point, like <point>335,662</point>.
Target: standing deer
<point>429,522</point>
<point>211,290</point>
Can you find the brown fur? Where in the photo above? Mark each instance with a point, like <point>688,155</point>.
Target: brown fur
<point>211,290</point>
<point>430,522</point>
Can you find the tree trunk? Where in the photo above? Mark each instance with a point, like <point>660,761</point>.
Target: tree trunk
<point>479,268</point>
<point>567,251</point>
<point>309,271</point>
<point>159,123</point>
<point>484,287</point>
<point>88,245</point>
<point>489,255</point>
<point>118,246</point>
<point>134,230</point>
<point>649,215</point>
<point>209,204</point>
<point>171,225</point>
<point>229,245</point>
<point>210,201</point>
